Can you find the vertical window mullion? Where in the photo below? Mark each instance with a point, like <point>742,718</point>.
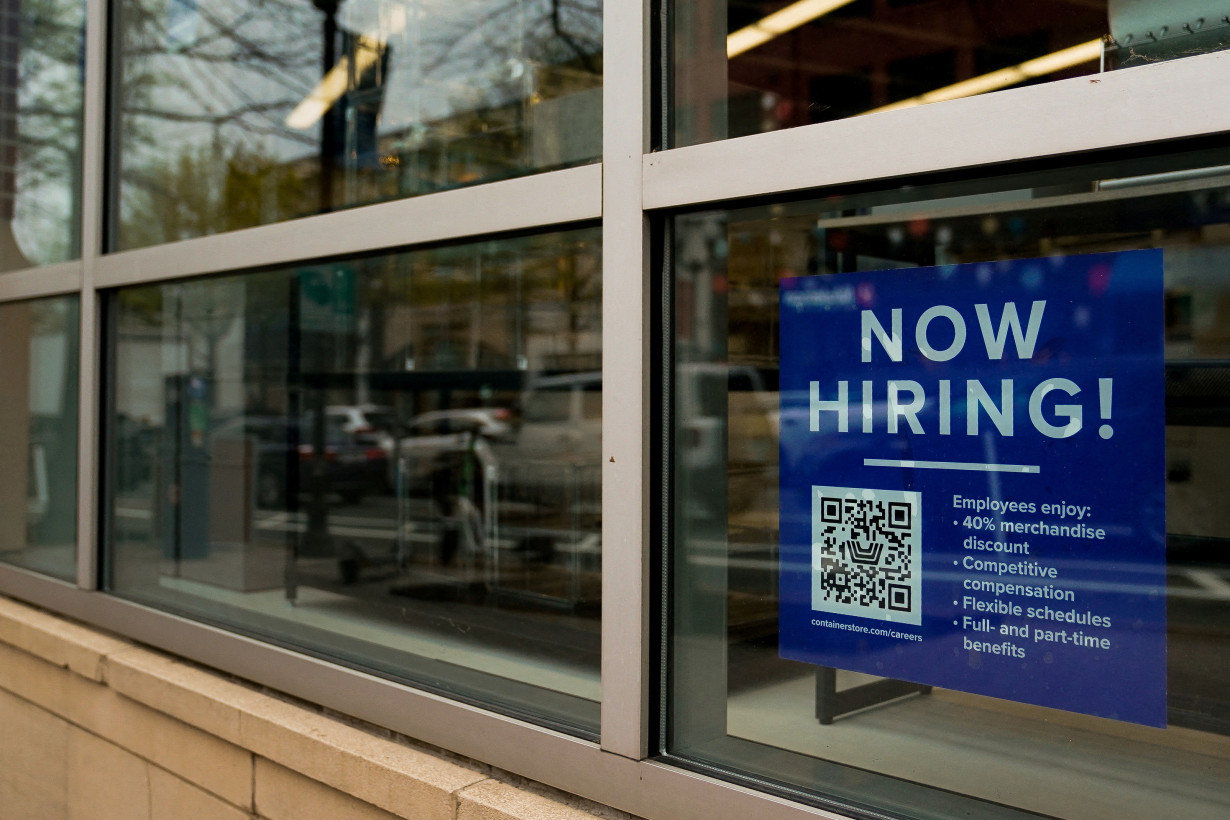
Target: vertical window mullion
<point>93,202</point>
<point>626,362</point>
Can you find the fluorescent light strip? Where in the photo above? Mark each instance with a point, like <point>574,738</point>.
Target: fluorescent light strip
<point>1005,77</point>
<point>779,22</point>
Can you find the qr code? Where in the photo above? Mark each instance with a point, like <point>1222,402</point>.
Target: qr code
<point>865,553</point>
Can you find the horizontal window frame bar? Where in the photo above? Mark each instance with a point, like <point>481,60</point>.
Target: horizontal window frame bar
<point>60,279</point>
<point>544,201</point>
<point>1038,121</point>
<point>641,787</point>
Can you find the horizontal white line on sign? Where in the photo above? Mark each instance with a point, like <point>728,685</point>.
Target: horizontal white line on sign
<point>952,465</point>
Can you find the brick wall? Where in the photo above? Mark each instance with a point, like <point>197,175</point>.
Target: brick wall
<point>94,727</point>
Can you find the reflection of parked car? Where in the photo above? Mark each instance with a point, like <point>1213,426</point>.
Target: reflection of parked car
<point>492,422</point>
<point>283,454</point>
<point>363,418</point>
<point>434,435</point>
<point>369,422</point>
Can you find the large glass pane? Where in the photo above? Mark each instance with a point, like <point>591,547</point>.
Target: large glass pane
<point>41,57</point>
<point>748,66</point>
<point>38,435</point>
<point>392,461</point>
<point>923,743</point>
<point>235,113</point>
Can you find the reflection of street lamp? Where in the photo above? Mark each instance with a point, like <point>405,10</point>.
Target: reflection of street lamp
<point>352,82</point>
<point>316,539</point>
<point>328,124</point>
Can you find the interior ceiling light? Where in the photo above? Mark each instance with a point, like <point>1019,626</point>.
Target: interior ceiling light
<point>1004,77</point>
<point>779,22</point>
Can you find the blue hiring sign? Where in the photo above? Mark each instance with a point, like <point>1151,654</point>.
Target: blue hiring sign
<point>972,479</point>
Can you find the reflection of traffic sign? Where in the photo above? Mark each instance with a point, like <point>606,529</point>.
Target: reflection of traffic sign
<point>327,299</point>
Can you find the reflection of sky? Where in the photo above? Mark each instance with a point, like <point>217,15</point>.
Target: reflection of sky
<point>48,353</point>
<point>197,74</point>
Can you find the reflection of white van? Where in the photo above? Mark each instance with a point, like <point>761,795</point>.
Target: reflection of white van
<point>725,415</point>
<point>728,433</point>
<point>554,460</point>
<point>561,419</point>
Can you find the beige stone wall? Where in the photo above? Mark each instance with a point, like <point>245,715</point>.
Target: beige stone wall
<point>94,728</point>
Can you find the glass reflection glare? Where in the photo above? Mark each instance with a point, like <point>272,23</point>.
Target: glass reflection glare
<point>391,460</point>
<point>896,745</point>
<point>38,431</point>
<point>41,93</point>
<point>241,114</point>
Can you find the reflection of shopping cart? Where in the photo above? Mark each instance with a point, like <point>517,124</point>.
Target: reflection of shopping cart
<point>528,531</point>
<point>445,521</point>
<point>546,547</point>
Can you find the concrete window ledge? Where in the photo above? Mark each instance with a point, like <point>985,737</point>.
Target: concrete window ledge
<point>97,727</point>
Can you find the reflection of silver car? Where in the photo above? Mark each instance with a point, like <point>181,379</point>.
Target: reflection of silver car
<point>440,433</point>
<point>492,422</point>
<point>282,458</point>
<point>371,421</point>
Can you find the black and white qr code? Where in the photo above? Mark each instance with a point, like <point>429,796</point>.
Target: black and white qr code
<point>865,553</point>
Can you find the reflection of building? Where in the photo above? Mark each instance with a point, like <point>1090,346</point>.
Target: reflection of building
<point>39,369</point>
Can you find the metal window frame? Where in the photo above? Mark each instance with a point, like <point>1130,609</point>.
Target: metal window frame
<point>554,198</point>
<point>623,191</point>
<point>1051,119</point>
<point>626,368</point>
<point>93,184</point>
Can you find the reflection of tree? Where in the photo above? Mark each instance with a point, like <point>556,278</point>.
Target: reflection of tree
<point>46,126</point>
<point>216,90</point>
<point>512,303</point>
<point>581,284</point>
<point>208,310</point>
<point>216,87</point>
<point>199,193</point>
<point>140,306</point>
<point>49,316</point>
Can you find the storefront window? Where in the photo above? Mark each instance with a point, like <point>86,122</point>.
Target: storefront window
<point>240,114</point>
<point>392,461</point>
<point>41,59</point>
<point>1029,617</point>
<point>748,66</point>
<point>38,435</point>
